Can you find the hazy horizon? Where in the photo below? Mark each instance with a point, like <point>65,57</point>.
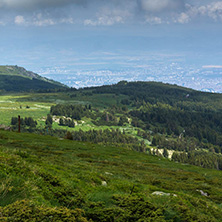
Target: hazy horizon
<point>175,41</point>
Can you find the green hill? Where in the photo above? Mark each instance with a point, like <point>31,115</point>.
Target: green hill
<point>96,175</point>
<point>160,119</point>
<point>18,79</point>
<point>45,178</point>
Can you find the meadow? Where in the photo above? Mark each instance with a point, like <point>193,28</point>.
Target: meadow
<point>37,106</point>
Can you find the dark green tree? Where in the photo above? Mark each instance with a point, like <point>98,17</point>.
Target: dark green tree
<point>61,122</point>
<point>165,153</point>
<point>49,121</point>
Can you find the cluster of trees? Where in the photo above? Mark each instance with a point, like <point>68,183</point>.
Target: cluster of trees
<point>205,126</point>
<point>104,136</point>
<point>72,111</point>
<point>199,158</point>
<point>66,122</point>
<point>76,112</point>
<point>49,121</point>
<point>178,144</point>
<point>109,119</point>
<point>26,122</point>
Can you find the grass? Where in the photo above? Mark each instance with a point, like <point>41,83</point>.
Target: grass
<point>52,172</point>
<point>11,106</point>
<point>40,106</point>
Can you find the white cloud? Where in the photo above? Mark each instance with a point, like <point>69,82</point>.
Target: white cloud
<point>67,20</point>
<point>41,20</point>
<point>183,18</point>
<point>19,20</point>
<point>107,13</point>
<point>154,20</point>
<point>44,22</point>
<point>214,10</point>
<point>208,11</point>
<point>108,17</point>
<point>104,20</point>
<point>179,12</point>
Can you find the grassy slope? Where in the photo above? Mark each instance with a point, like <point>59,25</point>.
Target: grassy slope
<point>40,104</point>
<point>14,78</point>
<point>10,107</point>
<point>52,172</point>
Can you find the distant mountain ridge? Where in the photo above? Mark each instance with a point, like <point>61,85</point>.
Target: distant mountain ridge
<point>18,79</point>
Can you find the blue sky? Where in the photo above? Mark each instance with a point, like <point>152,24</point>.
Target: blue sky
<point>102,33</point>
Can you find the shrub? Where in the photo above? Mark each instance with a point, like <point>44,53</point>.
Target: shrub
<point>25,210</point>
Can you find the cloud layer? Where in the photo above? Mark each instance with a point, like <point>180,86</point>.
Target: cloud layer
<point>156,6</point>
<point>37,4</point>
<point>107,13</point>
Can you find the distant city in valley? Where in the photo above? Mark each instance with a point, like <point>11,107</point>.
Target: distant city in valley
<point>206,78</point>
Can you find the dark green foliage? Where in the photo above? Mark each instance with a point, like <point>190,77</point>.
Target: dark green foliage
<point>165,153</point>
<point>155,141</point>
<point>69,136</point>
<point>73,111</point>
<point>55,191</point>
<point>49,121</point>
<point>30,122</point>
<point>203,159</point>
<point>199,124</point>
<point>104,136</point>
<point>66,122</point>
<point>25,211</point>
<point>122,120</point>
<point>23,84</point>
<point>126,208</point>
<point>14,120</point>
<point>125,101</point>
<point>27,122</point>
<point>149,92</point>
<point>106,119</point>
<point>61,121</point>
<point>137,209</point>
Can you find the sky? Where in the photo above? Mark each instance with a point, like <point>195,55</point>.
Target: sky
<point>105,33</point>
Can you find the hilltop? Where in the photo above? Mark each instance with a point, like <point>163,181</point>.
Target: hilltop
<point>18,79</point>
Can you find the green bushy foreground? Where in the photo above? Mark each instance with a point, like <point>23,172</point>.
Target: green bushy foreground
<point>44,178</point>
